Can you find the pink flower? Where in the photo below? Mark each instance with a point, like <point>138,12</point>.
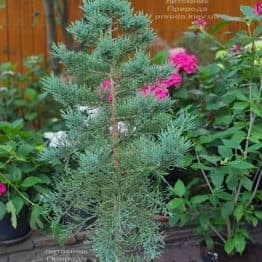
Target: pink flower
<point>185,62</point>
<point>158,91</point>
<point>161,93</point>
<point>105,88</point>
<point>174,80</point>
<point>109,97</point>
<point>144,90</point>
<point>258,8</point>
<point>2,189</point>
<point>106,84</point>
<point>235,48</point>
<point>200,22</point>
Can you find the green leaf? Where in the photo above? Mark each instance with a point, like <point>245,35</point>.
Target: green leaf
<point>17,124</point>
<point>2,4</point>
<point>35,219</point>
<point>204,221</point>
<point>239,242</point>
<point>257,109</point>
<point>241,164</point>
<point>31,93</point>
<point>2,210</point>
<point>211,158</point>
<point>179,188</point>
<point>246,183</point>
<point>31,116</point>
<point>14,174</point>
<point>258,30</point>
<point>247,10</point>
<point>240,105</point>
<point>254,148</point>
<point>217,176</point>
<point>10,208</point>
<point>229,18</point>
<point>175,204</point>
<point>229,246</point>
<point>227,209</point>
<point>217,27</point>
<point>225,151</point>
<point>196,200</point>
<point>18,203</point>
<point>25,149</point>
<point>258,214</point>
<point>238,212</point>
<point>209,242</point>
<point>31,181</point>
<point>161,57</point>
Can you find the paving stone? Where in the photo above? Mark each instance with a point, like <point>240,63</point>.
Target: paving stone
<point>81,236</point>
<point>180,254</point>
<point>35,255</point>
<point>42,240</point>
<point>9,249</point>
<point>3,258</point>
<point>47,240</point>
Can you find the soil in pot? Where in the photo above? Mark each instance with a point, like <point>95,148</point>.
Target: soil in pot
<point>253,253</point>
<point>10,235</point>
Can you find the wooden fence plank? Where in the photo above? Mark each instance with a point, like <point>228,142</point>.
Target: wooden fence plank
<point>39,30</point>
<point>14,33</point>
<point>27,28</point>
<point>3,35</point>
<point>23,32</point>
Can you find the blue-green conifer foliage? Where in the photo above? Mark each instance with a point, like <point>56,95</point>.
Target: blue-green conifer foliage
<point>113,160</point>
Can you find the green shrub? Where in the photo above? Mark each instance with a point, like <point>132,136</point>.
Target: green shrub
<point>22,176</point>
<point>227,153</point>
<point>21,95</point>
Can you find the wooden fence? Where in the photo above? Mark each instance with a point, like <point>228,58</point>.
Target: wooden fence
<point>23,32</point>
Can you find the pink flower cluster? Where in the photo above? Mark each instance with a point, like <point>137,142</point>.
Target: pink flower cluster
<point>2,189</point>
<point>235,48</point>
<point>182,62</point>
<point>160,88</point>
<point>258,8</point>
<point>200,22</point>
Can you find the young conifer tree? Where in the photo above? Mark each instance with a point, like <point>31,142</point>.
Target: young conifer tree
<point>119,143</point>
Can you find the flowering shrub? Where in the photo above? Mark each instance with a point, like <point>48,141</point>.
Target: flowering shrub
<point>227,155</point>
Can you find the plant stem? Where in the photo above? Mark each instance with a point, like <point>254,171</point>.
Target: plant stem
<point>218,233</point>
<point>115,131</point>
<point>251,122</point>
<point>204,174</point>
<point>256,187</point>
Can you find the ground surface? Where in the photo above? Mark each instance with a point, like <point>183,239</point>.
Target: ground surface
<point>181,246</point>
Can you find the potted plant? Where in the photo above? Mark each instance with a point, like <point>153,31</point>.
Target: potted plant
<point>227,152</point>
<point>22,178</point>
<point>120,138</point>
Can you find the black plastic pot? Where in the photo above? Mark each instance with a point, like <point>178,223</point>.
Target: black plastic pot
<point>8,234</point>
